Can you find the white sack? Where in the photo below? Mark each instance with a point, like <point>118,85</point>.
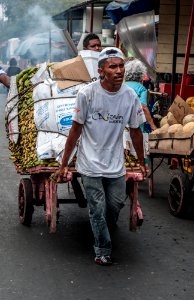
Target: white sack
<point>55,113</point>
<point>12,107</point>
<point>53,117</point>
<point>127,143</point>
<point>51,145</point>
<point>91,61</point>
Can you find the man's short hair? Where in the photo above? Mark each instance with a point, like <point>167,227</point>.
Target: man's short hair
<point>88,38</point>
<point>101,63</point>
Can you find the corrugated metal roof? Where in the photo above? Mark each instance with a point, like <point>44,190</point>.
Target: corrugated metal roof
<point>78,8</point>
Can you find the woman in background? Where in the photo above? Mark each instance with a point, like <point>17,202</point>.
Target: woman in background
<point>135,71</point>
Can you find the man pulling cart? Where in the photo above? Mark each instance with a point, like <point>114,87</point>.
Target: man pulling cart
<point>102,111</point>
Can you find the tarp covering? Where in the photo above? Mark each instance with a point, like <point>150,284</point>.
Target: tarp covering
<point>123,8</point>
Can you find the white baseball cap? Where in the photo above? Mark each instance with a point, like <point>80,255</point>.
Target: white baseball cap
<point>110,52</point>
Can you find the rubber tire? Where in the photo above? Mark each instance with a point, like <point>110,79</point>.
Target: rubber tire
<point>179,194</point>
<point>25,201</point>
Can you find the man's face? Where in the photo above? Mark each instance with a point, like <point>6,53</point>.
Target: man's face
<point>94,45</point>
<point>112,71</point>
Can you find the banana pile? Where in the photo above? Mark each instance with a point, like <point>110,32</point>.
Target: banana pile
<point>130,160</point>
<point>23,153</point>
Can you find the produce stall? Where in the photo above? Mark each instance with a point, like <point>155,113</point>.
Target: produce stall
<point>38,119</point>
<point>174,141</point>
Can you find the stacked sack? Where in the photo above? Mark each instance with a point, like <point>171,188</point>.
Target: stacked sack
<point>39,117</point>
<point>39,114</point>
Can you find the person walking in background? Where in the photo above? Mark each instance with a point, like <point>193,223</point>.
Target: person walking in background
<point>135,71</point>
<point>92,42</point>
<point>13,69</point>
<point>102,110</point>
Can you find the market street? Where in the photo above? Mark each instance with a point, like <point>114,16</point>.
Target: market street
<point>155,263</point>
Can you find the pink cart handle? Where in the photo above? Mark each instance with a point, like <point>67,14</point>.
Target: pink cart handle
<point>135,176</point>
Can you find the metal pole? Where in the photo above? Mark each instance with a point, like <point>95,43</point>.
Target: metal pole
<point>92,17</point>
<point>117,40</point>
<point>187,51</point>
<point>176,31</point>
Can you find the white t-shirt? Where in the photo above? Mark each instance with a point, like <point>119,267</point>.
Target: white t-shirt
<point>104,115</point>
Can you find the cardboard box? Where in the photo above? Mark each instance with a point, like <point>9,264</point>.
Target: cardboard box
<point>70,72</point>
<point>180,109</point>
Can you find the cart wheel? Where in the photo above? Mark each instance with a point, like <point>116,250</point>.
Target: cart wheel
<point>25,201</point>
<point>179,195</point>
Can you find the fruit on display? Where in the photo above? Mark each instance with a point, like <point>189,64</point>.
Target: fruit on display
<point>175,128</point>
<point>171,119</point>
<point>190,102</point>
<point>169,124</point>
<point>163,121</point>
<point>130,160</point>
<point>156,131</point>
<point>189,127</point>
<point>188,118</point>
<point>164,128</point>
<point>168,119</point>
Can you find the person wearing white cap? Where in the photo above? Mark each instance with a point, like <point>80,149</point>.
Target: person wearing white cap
<point>102,110</point>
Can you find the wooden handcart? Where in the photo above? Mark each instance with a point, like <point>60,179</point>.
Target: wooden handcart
<point>38,189</point>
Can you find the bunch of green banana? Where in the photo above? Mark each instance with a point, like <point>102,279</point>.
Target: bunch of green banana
<point>23,153</point>
<point>130,160</point>
<point>23,79</point>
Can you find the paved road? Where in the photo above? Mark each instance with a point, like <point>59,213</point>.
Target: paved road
<point>155,263</point>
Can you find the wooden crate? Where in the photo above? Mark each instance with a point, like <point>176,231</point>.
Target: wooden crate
<point>177,143</point>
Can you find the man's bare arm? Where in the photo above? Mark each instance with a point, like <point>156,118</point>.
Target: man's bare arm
<point>137,139</point>
<point>5,80</point>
